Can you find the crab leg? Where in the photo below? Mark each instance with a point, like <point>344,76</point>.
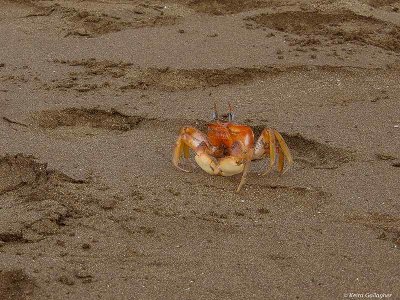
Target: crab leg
<point>247,155</point>
<point>185,149</point>
<point>281,160</point>
<point>284,147</point>
<point>266,140</point>
<point>272,139</point>
<point>244,175</point>
<point>272,148</point>
<point>181,149</point>
<point>189,138</point>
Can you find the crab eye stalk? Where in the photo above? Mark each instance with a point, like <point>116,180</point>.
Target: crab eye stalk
<point>230,113</point>
<point>214,116</point>
<point>215,112</point>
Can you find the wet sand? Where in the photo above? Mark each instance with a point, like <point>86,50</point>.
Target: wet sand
<point>92,97</point>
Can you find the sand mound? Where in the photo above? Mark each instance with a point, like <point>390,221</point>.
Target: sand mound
<point>27,186</point>
<point>93,75</point>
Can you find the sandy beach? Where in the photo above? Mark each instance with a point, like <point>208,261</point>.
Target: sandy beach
<point>92,97</point>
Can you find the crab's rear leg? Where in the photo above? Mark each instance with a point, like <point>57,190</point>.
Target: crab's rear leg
<point>271,142</point>
<point>283,152</point>
<point>244,175</point>
<point>189,138</point>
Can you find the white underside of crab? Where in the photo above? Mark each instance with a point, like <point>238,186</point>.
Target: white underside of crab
<point>226,166</point>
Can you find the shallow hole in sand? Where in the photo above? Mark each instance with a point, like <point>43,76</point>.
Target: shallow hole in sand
<point>87,118</point>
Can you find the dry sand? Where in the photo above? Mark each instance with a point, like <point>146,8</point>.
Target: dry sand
<point>92,97</point>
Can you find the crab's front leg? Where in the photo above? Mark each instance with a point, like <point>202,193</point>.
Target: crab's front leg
<point>242,153</point>
<point>271,142</point>
<point>189,138</point>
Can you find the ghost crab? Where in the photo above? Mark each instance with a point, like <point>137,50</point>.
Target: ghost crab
<point>228,148</point>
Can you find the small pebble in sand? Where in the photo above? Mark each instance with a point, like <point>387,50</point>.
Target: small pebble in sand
<point>385,156</point>
<point>263,211</point>
<point>86,246</point>
<point>181,31</point>
<point>80,273</point>
<point>60,243</point>
<point>108,203</point>
<point>66,280</point>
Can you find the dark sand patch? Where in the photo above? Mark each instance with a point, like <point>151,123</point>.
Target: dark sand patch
<point>387,225</point>
<point>77,21</point>
<point>338,28</point>
<point>225,7</point>
<point>90,117</point>
<point>15,285</point>
<point>27,185</point>
<point>380,3</point>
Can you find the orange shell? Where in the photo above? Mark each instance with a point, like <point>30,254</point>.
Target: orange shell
<point>224,135</point>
